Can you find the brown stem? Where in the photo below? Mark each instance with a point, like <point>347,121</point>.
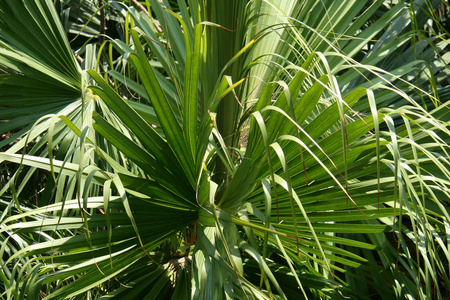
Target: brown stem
<point>139,7</point>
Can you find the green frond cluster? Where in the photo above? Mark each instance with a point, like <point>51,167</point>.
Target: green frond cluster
<point>257,149</point>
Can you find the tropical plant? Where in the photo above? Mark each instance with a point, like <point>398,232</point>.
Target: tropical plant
<point>227,149</point>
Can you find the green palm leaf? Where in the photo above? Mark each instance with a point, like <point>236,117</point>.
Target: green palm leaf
<point>228,150</point>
